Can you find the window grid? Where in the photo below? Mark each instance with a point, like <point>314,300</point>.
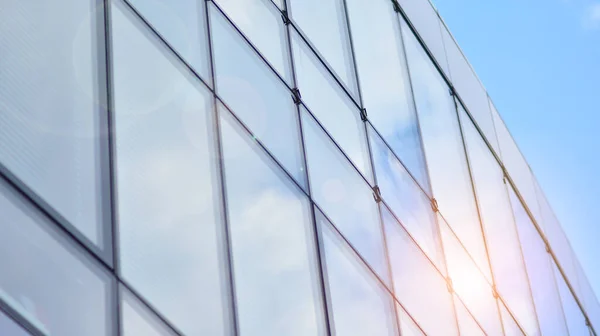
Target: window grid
<point>112,208</point>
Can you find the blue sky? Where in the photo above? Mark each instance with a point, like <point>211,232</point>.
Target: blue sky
<point>540,62</point>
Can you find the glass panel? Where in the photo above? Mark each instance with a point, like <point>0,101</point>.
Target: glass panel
<point>426,21</point>
<point>408,327</point>
<point>256,95</point>
<point>574,316</point>
<point>444,150</point>
<point>511,328</point>
<point>50,283</point>
<point>501,234</point>
<point>330,105</point>
<point>261,22</point>
<point>138,319</point>
<point>272,242</point>
<point>517,167</point>
<point>9,327</point>
<point>407,201</point>
<point>51,96</point>
<point>588,297</point>
<point>344,197</point>
<point>417,283</point>
<point>470,89</point>
<point>324,23</point>
<point>539,271</point>
<point>470,284</point>
<point>466,322</point>
<point>182,24</point>
<point>384,81</point>
<point>167,210</point>
<point>359,304</point>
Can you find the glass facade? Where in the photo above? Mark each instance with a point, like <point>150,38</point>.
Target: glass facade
<point>265,167</point>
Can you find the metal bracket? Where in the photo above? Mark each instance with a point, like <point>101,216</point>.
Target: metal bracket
<point>396,6</point>
<point>434,205</point>
<point>449,285</point>
<point>363,114</point>
<point>285,17</point>
<point>495,292</point>
<point>451,91</point>
<point>296,96</point>
<point>376,194</point>
<point>547,247</point>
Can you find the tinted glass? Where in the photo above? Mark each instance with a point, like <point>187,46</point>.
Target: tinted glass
<point>417,283</point>
<point>344,197</point>
<point>261,22</point>
<point>331,106</point>
<point>52,105</point>
<point>324,23</point>
<point>384,81</point>
<point>256,95</point>
<point>448,170</point>
<point>182,24</point>
<point>167,211</point>
<point>272,242</point>
<point>138,320</point>
<point>49,282</point>
<point>359,304</point>
<point>501,234</point>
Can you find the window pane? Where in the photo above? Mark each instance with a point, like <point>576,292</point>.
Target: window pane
<point>539,271</point>
<point>510,326</point>
<point>330,105</point>
<point>261,22</point>
<point>49,282</point>
<point>501,234</point>
<point>445,152</point>
<point>466,322</point>
<point>256,95</point>
<point>138,319</point>
<point>407,325</point>
<point>182,24</point>
<point>272,242</point>
<point>324,23</point>
<point>470,89</point>
<point>384,81</point>
<point>167,210</point>
<point>417,283</point>
<point>405,198</point>
<point>588,296</point>
<point>359,304</point>
<point>470,284</point>
<point>426,21</point>
<point>344,197</point>
<point>51,95</point>
<point>574,316</point>
<point>9,327</point>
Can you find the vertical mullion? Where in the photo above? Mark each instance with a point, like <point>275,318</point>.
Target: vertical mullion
<point>218,148</point>
<point>319,253</point>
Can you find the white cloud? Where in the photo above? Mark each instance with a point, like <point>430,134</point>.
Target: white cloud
<point>591,18</point>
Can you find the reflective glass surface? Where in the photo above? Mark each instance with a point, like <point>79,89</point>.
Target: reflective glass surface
<point>182,24</point>
<point>138,320</point>
<point>358,303</point>
<point>511,328</point>
<point>470,284</point>
<point>256,95</point>
<point>343,195</point>
<point>261,23</point>
<point>52,98</point>
<point>501,234</point>
<point>466,322</point>
<point>331,106</point>
<point>444,150</point>
<point>169,230</point>
<point>574,317</point>
<point>408,327</point>
<point>417,283</point>
<point>539,270</point>
<point>405,198</point>
<point>49,282</point>
<point>324,23</point>
<point>384,81</point>
<point>272,242</point>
